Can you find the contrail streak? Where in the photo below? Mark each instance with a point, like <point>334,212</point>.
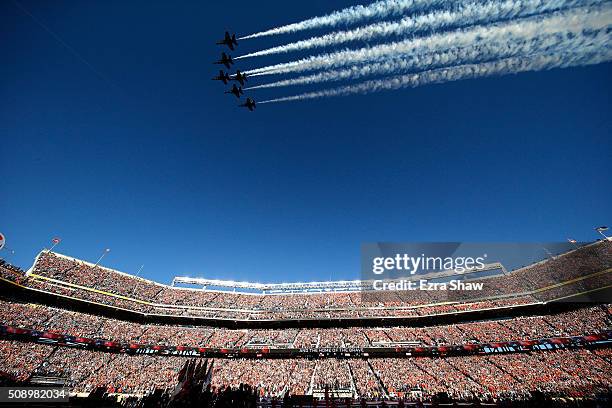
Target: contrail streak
<point>560,42</point>
<point>501,67</point>
<point>575,21</point>
<point>465,14</point>
<point>352,15</point>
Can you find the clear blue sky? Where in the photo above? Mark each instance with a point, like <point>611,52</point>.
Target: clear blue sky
<point>131,146</point>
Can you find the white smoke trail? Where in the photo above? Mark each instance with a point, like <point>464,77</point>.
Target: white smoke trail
<point>559,42</point>
<point>574,21</point>
<point>352,15</point>
<point>466,13</point>
<point>505,66</point>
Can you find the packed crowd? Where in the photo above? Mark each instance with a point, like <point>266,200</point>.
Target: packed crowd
<point>271,377</point>
<point>9,266</point>
<point>95,295</point>
<point>575,373</point>
<point>505,376</point>
<point>585,268</point>
<point>581,321</point>
<point>11,272</point>
<point>367,382</point>
<point>19,360</point>
<point>333,374</point>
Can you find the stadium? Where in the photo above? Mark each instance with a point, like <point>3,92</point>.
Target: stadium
<point>107,334</point>
<point>357,203</point>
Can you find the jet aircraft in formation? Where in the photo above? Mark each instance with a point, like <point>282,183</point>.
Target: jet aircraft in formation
<point>250,104</point>
<point>240,77</point>
<point>225,60</point>
<point>236,90</point>
<point>225,77</point>
<point>228,40</point>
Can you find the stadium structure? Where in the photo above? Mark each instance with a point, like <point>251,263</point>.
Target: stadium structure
<point>537,333</point>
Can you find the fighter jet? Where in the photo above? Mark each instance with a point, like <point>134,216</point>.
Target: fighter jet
<point>240,77</point>
<point>225,60</point>
<point>229,41</point>
<point>250,104</point>
<point>236,90</point>
<point>223,76</point>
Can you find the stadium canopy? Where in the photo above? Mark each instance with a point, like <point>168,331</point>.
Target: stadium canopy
<point>319,286</point>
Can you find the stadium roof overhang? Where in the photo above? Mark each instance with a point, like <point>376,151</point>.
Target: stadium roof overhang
<point>319,286</point>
